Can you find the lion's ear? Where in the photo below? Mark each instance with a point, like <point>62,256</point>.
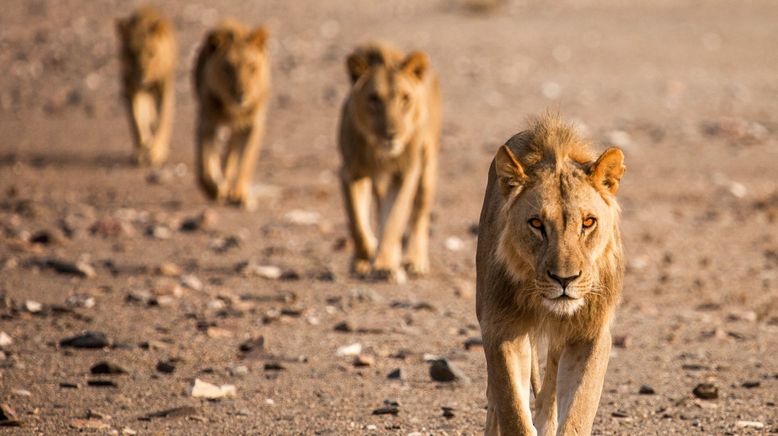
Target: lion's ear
<point>510,174</point>
<point>606,172</point>
<point>258,37</point>
<point>416,63</point>
<point>356,65</point>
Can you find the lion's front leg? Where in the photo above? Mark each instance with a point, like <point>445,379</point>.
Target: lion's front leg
<point>160,144</point>
<point>209,167</point>
<point>395,210</point>
<point>143,115</point>
<point>417,252</point>
<point>357,195</point>
<point>247,143</point>
<point>546,399</point>
<point>508,365</point>
<point>581,375</point>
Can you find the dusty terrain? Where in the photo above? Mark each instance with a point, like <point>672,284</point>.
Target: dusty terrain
<point>688,89</point>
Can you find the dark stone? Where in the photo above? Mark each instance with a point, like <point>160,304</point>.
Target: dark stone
<point>646,390</point>
<point>86,340</point>
<point>176,412</point>
<point>274,366</point>
<point>448,412</point>
<point>68,385</point>
<point>107,368</point>
<point>442,370</point>
<point>706,391</point>
<point>166,366</point>
<point>620,414</point>
<point>101,383</point>
<point>396,374</point>
<point>344,326</point>
<point>256,344</point>
<point>750,384</point>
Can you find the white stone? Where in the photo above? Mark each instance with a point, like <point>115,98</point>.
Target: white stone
<point>302,217</point>
<point>5,339</point>
<point>349,350</point>
<point>33,306</point>
<point>202,389</point>
<point>453,243</point>
<point>749,424</point>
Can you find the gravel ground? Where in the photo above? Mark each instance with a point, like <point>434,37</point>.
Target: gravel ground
<point>688,89</point>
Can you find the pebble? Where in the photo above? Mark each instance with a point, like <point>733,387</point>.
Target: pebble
<point>166,366</point>
<point>169,269</point>
<point>750,384</point>
<point>396,374</point>
<point>86,340</point>
<point>749,424</point>
<point>5,340</point>
<point>363,360</point>
<point>454,243</point>
<point>706,391</point>
<point>254,344</point>
<point>21,392</point>
<point>85,301</point>
<point>81,269</point>
<point>646,390</point>
<point>89,424</point>
<point>349,350</point>
<point>448,412</point>
<point>442,370</point>
<point>387,410</point>
<point>100,383</point>
<point>107,368</point>
<point>192,282</point>
<point>8,416</point>
<point>202,389</point>
<point>128,431</point>
<point>175,412</point>
<point>240,370</point>
<point>620,414</point>
<point>302,217</point>
<point>33,306</point>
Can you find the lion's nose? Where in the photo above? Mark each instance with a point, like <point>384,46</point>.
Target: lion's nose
<point>563,281</point>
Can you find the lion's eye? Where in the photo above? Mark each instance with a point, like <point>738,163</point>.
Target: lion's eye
<point>374,99</point>
<point>536,223</point>
<point>589,222</point>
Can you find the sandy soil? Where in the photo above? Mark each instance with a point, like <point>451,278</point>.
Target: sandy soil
<point>687,88</point>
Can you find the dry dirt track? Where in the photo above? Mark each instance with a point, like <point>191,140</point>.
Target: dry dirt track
<point>687,88</point>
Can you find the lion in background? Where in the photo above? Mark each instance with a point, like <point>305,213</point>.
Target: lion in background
<point>389,136</point>
<point>232,87</point>
<point>549,266</point>
<point>148,62</point>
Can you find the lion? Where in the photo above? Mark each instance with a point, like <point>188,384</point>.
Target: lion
<point>549,265</point>
<point>232,86</point>
<point>148,64</point>
<point>389,139</point>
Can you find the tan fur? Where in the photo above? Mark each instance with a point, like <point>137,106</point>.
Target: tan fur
<point>389,135</point>
<point>548,175</point>
<point>148,63</point>
<point>232,85</point>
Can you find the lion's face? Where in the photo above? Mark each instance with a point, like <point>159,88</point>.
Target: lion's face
<point>239,67</point>
<point>559,224</point>
<point>388,102</point>
<point>147,47</point>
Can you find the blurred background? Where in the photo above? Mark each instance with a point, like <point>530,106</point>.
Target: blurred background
<point>687,89</point>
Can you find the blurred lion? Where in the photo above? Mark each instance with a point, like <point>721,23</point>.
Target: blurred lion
<point>232,86</point>
<point>549,265</point>
<point>148,64</point>
<point>389,136</point>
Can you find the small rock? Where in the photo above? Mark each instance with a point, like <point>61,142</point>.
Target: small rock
<point>168,269</point>
<point>363,360</point>
<point>33,306</point>
<point>274,366</point>
<point>175,412</point>
<point>107,368</point>
<point>474,342</point>
<point>240,370</point>
<point>21,392</point>
<point>218,333</point>
<point>201,389</point>
<point>5,340</point>
<point>750,384</point>
<point>128,431</point>
<point>386,410</point>
<point>442,370</point>
<point>192,282</point>
<point>349,350</point>
<point>448,412</point>
<point>8,416</point>
<point>622,341</point>
<point>81,269</point>
<point>646,390</point>
<point>269,272</point>
<point>204,221</point>
<point>86,340</point>
<point>454,243</point>
<point>159,232</point>
<point>344,326</point>
<point>68,385</point>
<point>84,301</point>
<point>89,424</point>
<point>96,414</point>
<point>620,414</point>
<point>396,374</point>
<point>749,424</point>
<point>706,391</point>
<point>166,366</point>
<point>100,383</point>
<point>254,344</point>
<point>302,217</point>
